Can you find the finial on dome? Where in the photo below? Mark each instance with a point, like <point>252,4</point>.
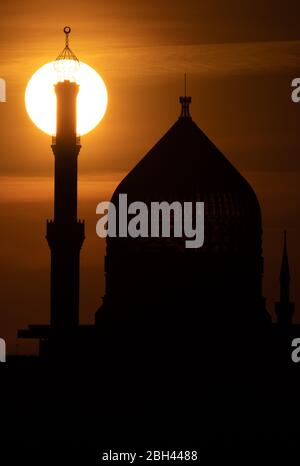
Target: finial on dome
<point>185,102</point>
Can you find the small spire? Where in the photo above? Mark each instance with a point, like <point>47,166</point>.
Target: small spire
<point>185,102</point>
<point>284,309</point>
<point>67,31</point>
<point>285,272</point>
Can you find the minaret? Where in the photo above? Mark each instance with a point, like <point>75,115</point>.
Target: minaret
<point>65,233</point>
<point>284,309</point>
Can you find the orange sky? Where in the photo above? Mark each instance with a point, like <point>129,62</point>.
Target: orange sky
<point>240,61</point>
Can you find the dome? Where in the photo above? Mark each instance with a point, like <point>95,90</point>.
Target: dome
<point>159,278</point>
<point>185,165</point>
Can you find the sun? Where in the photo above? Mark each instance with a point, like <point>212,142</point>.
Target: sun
<point>40,98</point>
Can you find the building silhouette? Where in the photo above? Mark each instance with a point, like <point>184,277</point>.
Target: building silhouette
<point>157,291</point>
<point>156,287</point>
<point>183,350</point>
<point>285,309</point>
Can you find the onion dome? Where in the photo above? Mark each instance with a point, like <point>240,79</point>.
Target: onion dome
<point>185,165</point>
<point>156,276</point>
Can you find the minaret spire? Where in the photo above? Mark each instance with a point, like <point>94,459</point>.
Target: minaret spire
<point>285,273</point>
<point>66,64</point>
<point>284,308</point>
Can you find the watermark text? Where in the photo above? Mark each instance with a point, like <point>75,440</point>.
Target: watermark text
<point>2,90</point>
<point>155,220</point>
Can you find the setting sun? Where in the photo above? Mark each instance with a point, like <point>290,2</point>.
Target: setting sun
<point>40,98</point>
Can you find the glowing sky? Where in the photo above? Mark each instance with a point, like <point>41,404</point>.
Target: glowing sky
<point>240,58</point>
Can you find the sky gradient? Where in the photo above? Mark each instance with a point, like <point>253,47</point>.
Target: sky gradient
<point>240,58</point>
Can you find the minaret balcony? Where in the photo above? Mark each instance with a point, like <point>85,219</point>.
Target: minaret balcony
<point>77,141</point>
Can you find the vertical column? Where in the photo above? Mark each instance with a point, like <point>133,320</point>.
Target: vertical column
<point>65,234</point>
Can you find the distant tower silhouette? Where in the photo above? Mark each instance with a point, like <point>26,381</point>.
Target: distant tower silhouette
<point>284,309</point>
<point>65,234</point>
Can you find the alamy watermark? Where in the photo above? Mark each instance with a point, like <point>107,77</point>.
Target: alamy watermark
<point>2,350</point>
<point>161,220</point>
<point>295,96</point>
<point>2,90</point>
